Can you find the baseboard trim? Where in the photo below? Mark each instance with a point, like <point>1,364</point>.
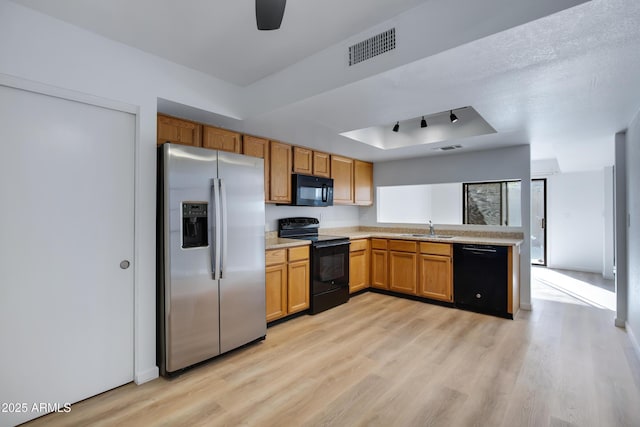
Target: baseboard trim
<point>525,306</point>
<point>634,341</point>
<point>146,376</point>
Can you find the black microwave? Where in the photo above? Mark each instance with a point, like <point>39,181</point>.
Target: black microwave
<point>311,190</point>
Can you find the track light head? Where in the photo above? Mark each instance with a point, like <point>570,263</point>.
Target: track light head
<point>396,127</point>
<point>452,117</point>
<point>423,123</point>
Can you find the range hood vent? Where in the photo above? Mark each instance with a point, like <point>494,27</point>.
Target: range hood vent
<point>373,46</point>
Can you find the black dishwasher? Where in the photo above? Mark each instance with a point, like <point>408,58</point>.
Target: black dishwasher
<point>480,278</point>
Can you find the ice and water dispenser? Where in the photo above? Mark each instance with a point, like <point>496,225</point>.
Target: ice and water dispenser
<point>194,224</point>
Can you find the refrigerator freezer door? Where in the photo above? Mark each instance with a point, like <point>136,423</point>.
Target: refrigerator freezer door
<point>191,316</point>
<point>242,287</point>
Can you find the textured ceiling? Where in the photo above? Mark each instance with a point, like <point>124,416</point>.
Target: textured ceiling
<point>564,83</point>
<point>219,37</point>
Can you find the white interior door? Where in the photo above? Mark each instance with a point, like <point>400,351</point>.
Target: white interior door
<point>66,223</point>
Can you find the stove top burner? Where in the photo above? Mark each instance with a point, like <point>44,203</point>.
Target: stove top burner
<point>306,229</point>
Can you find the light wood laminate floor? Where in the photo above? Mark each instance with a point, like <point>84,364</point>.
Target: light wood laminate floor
<point>385,361</point>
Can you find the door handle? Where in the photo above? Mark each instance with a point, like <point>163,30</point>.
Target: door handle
<point>223,230</point>
<point>215,230</point>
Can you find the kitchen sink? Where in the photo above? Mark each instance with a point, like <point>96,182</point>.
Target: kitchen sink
<point>433,236</point>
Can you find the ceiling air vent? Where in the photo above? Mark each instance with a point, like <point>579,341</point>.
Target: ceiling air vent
<point>373,46</point>
<point>449,147</point>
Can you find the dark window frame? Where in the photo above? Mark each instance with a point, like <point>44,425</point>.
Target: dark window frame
<point>503,200</point>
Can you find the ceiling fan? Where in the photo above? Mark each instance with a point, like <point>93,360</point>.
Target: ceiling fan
<point>269,14</point>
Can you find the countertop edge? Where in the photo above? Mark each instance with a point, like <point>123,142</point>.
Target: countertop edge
<point>280,243</point>
<point>455,239</point>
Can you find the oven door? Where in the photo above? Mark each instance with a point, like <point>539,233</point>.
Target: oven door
<point>330,267</point>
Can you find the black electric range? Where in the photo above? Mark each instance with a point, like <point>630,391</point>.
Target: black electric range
<point>329,282</point>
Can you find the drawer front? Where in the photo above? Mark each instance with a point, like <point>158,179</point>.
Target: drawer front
<point>299,253</point>
<point>378,243</point>
<point>402,246</point>
<point>358,245</point>
<point>436,248</point>
<point>276,256</point>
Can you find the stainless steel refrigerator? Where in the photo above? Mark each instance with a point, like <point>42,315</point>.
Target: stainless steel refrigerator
<point>211,265</point>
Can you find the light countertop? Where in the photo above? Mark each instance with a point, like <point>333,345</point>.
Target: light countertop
<point>426,238</point>
<point>279,242</point>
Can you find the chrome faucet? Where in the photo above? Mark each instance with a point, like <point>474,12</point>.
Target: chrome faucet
<point>432,231</point>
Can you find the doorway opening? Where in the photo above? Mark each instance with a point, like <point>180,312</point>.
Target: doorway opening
<point>539,221</point>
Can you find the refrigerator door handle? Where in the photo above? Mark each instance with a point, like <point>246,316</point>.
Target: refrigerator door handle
<point>223,233</point>
<point>215,230</point>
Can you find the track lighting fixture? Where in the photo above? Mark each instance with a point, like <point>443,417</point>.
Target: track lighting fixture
<point>396,127</point>
<point>452,117</point>
<point>423,123</point>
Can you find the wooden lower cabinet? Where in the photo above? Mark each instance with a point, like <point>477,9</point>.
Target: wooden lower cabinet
<point>287,281</point>
<point>403,266</point>
<point>379,261</point>
<point>276,288</point>
<point>435,271</point>
<point>435,280</point>
<point>403,272</point>
<point>298,286</point>
<point>359,265</point>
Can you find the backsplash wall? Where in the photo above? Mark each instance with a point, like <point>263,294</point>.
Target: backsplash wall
<point>330,216</point>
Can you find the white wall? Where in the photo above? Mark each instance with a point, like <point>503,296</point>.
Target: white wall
<point>45,50</point>
<point>633,228</point>
<point>575,221</point>
<point>329,216</point>
<point>489,165</point>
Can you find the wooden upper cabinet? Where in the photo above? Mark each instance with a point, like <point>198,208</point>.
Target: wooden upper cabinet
<point>302,160</point>
<point>221,139</point>
<point>280,172</point>
<point>342,174</point>
<point>363,182</point>
<point>258,147</point>
<point>178,131</point>
<point>321,164</point>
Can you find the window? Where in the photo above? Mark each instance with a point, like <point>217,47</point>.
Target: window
<point>492,203</point>
<point>417,204</point>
